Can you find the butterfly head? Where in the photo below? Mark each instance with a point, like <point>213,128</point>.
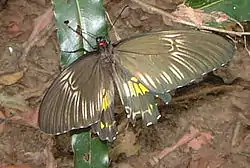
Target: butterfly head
<point>102,42</point>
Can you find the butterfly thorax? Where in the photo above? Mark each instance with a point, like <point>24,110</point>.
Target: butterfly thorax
<point>106,50</point>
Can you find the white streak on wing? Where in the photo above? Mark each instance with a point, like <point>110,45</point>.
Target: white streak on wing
<point>143,79</point>
<point>83,109</point>
<point>66,76</point>
<point>142,114</point>
<point>188,56</point>
<point>86,110</point>
<point>91,108</point>
<point>77,104</point>
<point>193,80</point>
<point>72,82</point>
<point>128,109</point>
<point>74,109</point>
<point>171,35</point>
<point>168,42</point>
<point>66,94</point>
<point>167,76</point>
<point>65,87</point>
<point>174,72</point>
<point>150,80</point>
<point>136,113</point>
<point>126,89</point>
<point>176,57</point>
<point>149,123</point>
<point>100,100</point>
<point>149,111</point>
<point>157,80</point>
<point>163,77</point>
<point>180,41</point>
<point>68,105</point>
<point>180,74</point>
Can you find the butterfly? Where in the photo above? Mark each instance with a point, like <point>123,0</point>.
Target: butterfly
<point>141,68</point>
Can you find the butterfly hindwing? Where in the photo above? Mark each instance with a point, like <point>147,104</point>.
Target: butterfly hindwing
<point>76,97</point>
<point>166,60</point>
<point>106,127</point>
<point>136,98</point>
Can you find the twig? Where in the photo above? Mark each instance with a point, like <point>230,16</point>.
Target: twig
<point>184,140</point>
<point>179,20</point>
<point>244,37</point>
<point>236,134</point>
<point>206,91</point>
<point>244,154</point>
<point>118,38</point>
<point>245,120</point>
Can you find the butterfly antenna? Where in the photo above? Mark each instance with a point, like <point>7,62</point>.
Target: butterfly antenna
<point>112,24</point>
<point>80,33</point>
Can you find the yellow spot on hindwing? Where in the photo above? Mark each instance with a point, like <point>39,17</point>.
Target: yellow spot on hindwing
<point>106,125</point>
<point>136,88</point>
<point>134,79</point>
<point>143,88</point>
<point>102,125</point>
<point>105,101</point>
<point>131,88</point>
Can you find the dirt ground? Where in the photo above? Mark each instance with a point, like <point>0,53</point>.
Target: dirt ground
<point>215,112</point>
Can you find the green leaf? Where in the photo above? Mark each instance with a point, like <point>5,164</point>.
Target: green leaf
<point>89,152</point>
<point>89,16</point>
<point>237,9</point>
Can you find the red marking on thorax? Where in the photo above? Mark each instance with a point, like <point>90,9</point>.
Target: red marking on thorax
<point>103,44</point>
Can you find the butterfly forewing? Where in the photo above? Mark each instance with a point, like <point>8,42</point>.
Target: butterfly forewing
<point>76,97</point>
<point>166,60</point>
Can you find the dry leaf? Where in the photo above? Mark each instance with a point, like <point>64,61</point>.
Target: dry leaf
<point>240,100</point>
<point>126,144</point>
<point>13,21</point>
<point>40,23</point>
<point>184,140</point>
<point>20,166</point>
<point>198,16</point>
<point>204,138</point>
<point>30,118</point>
<point>45,157</point>
<point>14,102</point>
<point>237,68</point>
<point>1,123</point>
<point>189,14</point>
<point>10,78</point>
<point>50,160</point>
<point>43,28</point>
<point>189,139</point>
<point>123,165</point>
